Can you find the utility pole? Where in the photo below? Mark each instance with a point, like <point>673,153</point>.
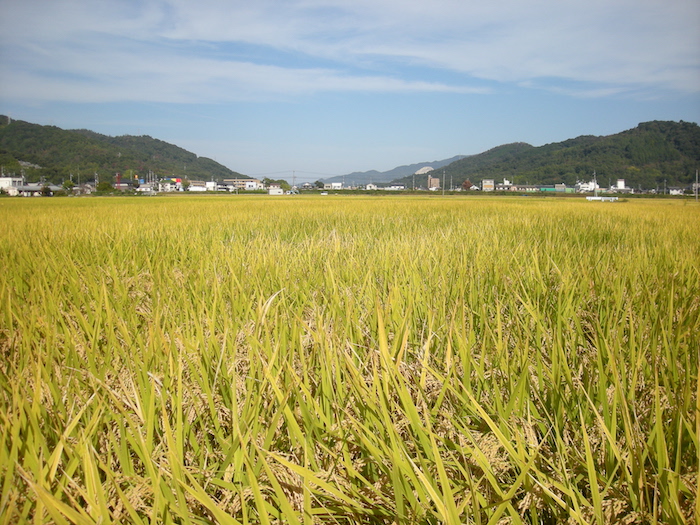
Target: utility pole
<point>443,183</point>
<point>696,185</point>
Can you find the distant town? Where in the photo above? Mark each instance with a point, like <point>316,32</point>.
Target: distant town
<point>424,180</point>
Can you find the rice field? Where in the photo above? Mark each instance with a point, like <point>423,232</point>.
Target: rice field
<point>384,360</point>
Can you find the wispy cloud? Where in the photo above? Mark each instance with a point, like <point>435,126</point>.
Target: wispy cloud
<point>216,50</point>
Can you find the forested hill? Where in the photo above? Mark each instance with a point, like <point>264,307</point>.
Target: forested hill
<point>81,152</point>
<point>645,157</point>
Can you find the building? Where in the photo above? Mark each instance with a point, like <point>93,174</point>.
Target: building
<point>505,186</point>
<point>396,187</point>
<point>10,184</point>
<point>586,187</point>
<point>240,184</point>
<point>525,187</point>
<point>37,189</point>
<point>433,183</point>
<point>197,185</point>
<point>487,185</point>
<point>254,184</point>
<point>275,190</point>
<point>148,188</point>
<point>371,186</point>
<point>169,185</point>
<point>620,187</point>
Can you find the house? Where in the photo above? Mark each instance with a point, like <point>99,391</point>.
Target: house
<point>244,184</point>
<point>85,189</point>
<point>275,190</point>
<point>487,185</point>
<point>676,191</point>
<point>168,185</point>
<point>586,187</point>
<point>506,185</point>
<point>211,185</point>
<point>396,187</point>
<point>148,188</point>
<point>197,185</point>
<point>254,184</point>
<point>371,186</point>
<point>10,184</point>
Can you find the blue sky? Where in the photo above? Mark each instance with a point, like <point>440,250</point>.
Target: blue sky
<point>327,87</point>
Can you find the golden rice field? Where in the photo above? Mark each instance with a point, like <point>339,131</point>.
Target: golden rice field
<point>383,360</point>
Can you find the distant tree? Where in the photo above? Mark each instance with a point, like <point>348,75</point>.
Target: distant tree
<point>104,187</point>
<point>185,184</point>
<point>466,184</point>
<point>46,191</point>
<point>68,186</point>
<point>319,184</point>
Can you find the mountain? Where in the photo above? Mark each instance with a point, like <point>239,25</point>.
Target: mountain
<point>647,156</point>
<point>644,156</point>
<point>365,177</point>
<point>54,154</point>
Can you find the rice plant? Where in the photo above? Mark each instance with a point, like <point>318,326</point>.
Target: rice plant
<point>398,360</point>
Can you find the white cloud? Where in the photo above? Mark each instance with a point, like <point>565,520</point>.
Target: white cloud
<point>177,50</point>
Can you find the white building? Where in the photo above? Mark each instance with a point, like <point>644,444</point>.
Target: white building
<point>587,187</point>
<point>254,184</point>
<point>620,187</point>
<point>371,186</point>
<point>169,185</point>
<point>147,187</point>
<point>242,184</point>
<point>487,185</point>
<point>506,185</point>
<point>197,185</point>
<point>275,191</point>
<point>10,184</point>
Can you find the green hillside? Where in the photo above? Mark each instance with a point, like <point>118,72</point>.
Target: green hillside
<point>83,153</point>
<point>644,156</point>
